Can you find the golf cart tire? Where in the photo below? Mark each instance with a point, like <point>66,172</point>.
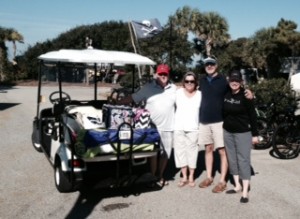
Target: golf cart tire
<point>35,144</point>
<point>61,180</point>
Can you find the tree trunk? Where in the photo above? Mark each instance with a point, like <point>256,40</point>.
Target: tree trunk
<point>208,47</point>
<point>292,69</point>
<point>2,60</point>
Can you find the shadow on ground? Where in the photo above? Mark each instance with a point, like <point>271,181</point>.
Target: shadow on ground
<point>171,170</point>
<point>4,106</point>
<point>92,194</point>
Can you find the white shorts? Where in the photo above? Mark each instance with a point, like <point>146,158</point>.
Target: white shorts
<point>166,143</point>
<point>211,134</point>
<point>186,149</point>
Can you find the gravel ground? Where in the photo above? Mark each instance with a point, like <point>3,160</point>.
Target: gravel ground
<point>28,191</point>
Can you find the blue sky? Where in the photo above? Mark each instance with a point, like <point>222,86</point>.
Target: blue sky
<point>38,20</point>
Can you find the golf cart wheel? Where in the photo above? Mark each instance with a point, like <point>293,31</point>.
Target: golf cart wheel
<point>61,179</point>
<point>35,142</point>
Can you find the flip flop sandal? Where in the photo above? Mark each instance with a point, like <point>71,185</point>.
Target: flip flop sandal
<point>182,183</point>
<point>192,183</point>
<point>163,183</point>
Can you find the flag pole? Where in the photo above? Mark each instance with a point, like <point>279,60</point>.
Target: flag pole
<point>134,48</point>
<point>131,36</point>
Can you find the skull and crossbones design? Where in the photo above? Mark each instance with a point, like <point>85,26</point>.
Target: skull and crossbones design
<point>148,28</point>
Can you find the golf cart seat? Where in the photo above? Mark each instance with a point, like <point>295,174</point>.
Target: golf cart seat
<point>87,117</point>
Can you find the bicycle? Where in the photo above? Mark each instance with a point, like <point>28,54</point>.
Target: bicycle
<point>286,137</point>
<point>268,118</point>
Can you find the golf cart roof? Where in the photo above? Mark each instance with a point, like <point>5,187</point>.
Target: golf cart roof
<point>91,56</point>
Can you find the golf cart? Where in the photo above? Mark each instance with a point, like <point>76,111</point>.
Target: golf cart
<point>81,132</point>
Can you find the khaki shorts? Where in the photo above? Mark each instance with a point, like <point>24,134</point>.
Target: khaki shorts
<point>211,134</point>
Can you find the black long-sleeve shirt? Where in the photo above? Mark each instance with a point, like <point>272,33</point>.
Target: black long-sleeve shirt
<point>239,114</point>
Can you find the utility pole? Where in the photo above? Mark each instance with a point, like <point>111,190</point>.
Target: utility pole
<point>88,45</point>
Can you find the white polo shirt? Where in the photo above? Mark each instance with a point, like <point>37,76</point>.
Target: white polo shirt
<point>160,102</point>
<point>187,111</point>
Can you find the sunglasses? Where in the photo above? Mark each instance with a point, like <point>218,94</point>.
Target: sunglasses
<point>210,63</point>
<point>189,82</point>
<point>235,80</point>
<point>163,74</point>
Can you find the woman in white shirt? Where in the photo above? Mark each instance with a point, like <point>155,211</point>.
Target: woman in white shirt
<point>188,99</point>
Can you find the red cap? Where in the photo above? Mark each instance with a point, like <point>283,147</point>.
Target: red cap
<point>162,68</point>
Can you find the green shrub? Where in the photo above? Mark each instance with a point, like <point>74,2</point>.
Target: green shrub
<point>274,90</point>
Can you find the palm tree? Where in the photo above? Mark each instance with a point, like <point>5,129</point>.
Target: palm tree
<point>15,37</point>
<point>289,40</point>
<point>259,49</point>
<point>211,28</point>
<point>3,52</point>
<point>181,20</point>
<point>270,46</point>
<point>7,34</point>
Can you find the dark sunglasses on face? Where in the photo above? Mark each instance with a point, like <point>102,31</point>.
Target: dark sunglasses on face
<point>163,74</point>
<point>189,81</point>
<point>235,80</point>
<point>210,63</point>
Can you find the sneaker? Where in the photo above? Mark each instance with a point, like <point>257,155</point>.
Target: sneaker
<point>232,191</point>
<point>205,183</point>
<point>219,188</point>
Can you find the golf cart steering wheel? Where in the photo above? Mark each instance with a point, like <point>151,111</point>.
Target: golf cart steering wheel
<point>65,97</point>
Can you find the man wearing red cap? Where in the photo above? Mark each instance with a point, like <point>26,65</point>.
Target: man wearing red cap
<point>159,96</point>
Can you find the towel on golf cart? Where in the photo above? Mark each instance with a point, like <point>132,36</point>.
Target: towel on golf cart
<point>105,141</point>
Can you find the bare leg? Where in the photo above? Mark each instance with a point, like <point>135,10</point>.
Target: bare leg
<point>153,165</point>
<point>153,169</point>
<point>237,182</point>
<point>224,164</point>
<point>162,166</point>
<point>191,177</point>
<point>183,181</point>
<point>184,173</point>
<point>191,174</point>
<point>209,158</point>
<point>245,187</point>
